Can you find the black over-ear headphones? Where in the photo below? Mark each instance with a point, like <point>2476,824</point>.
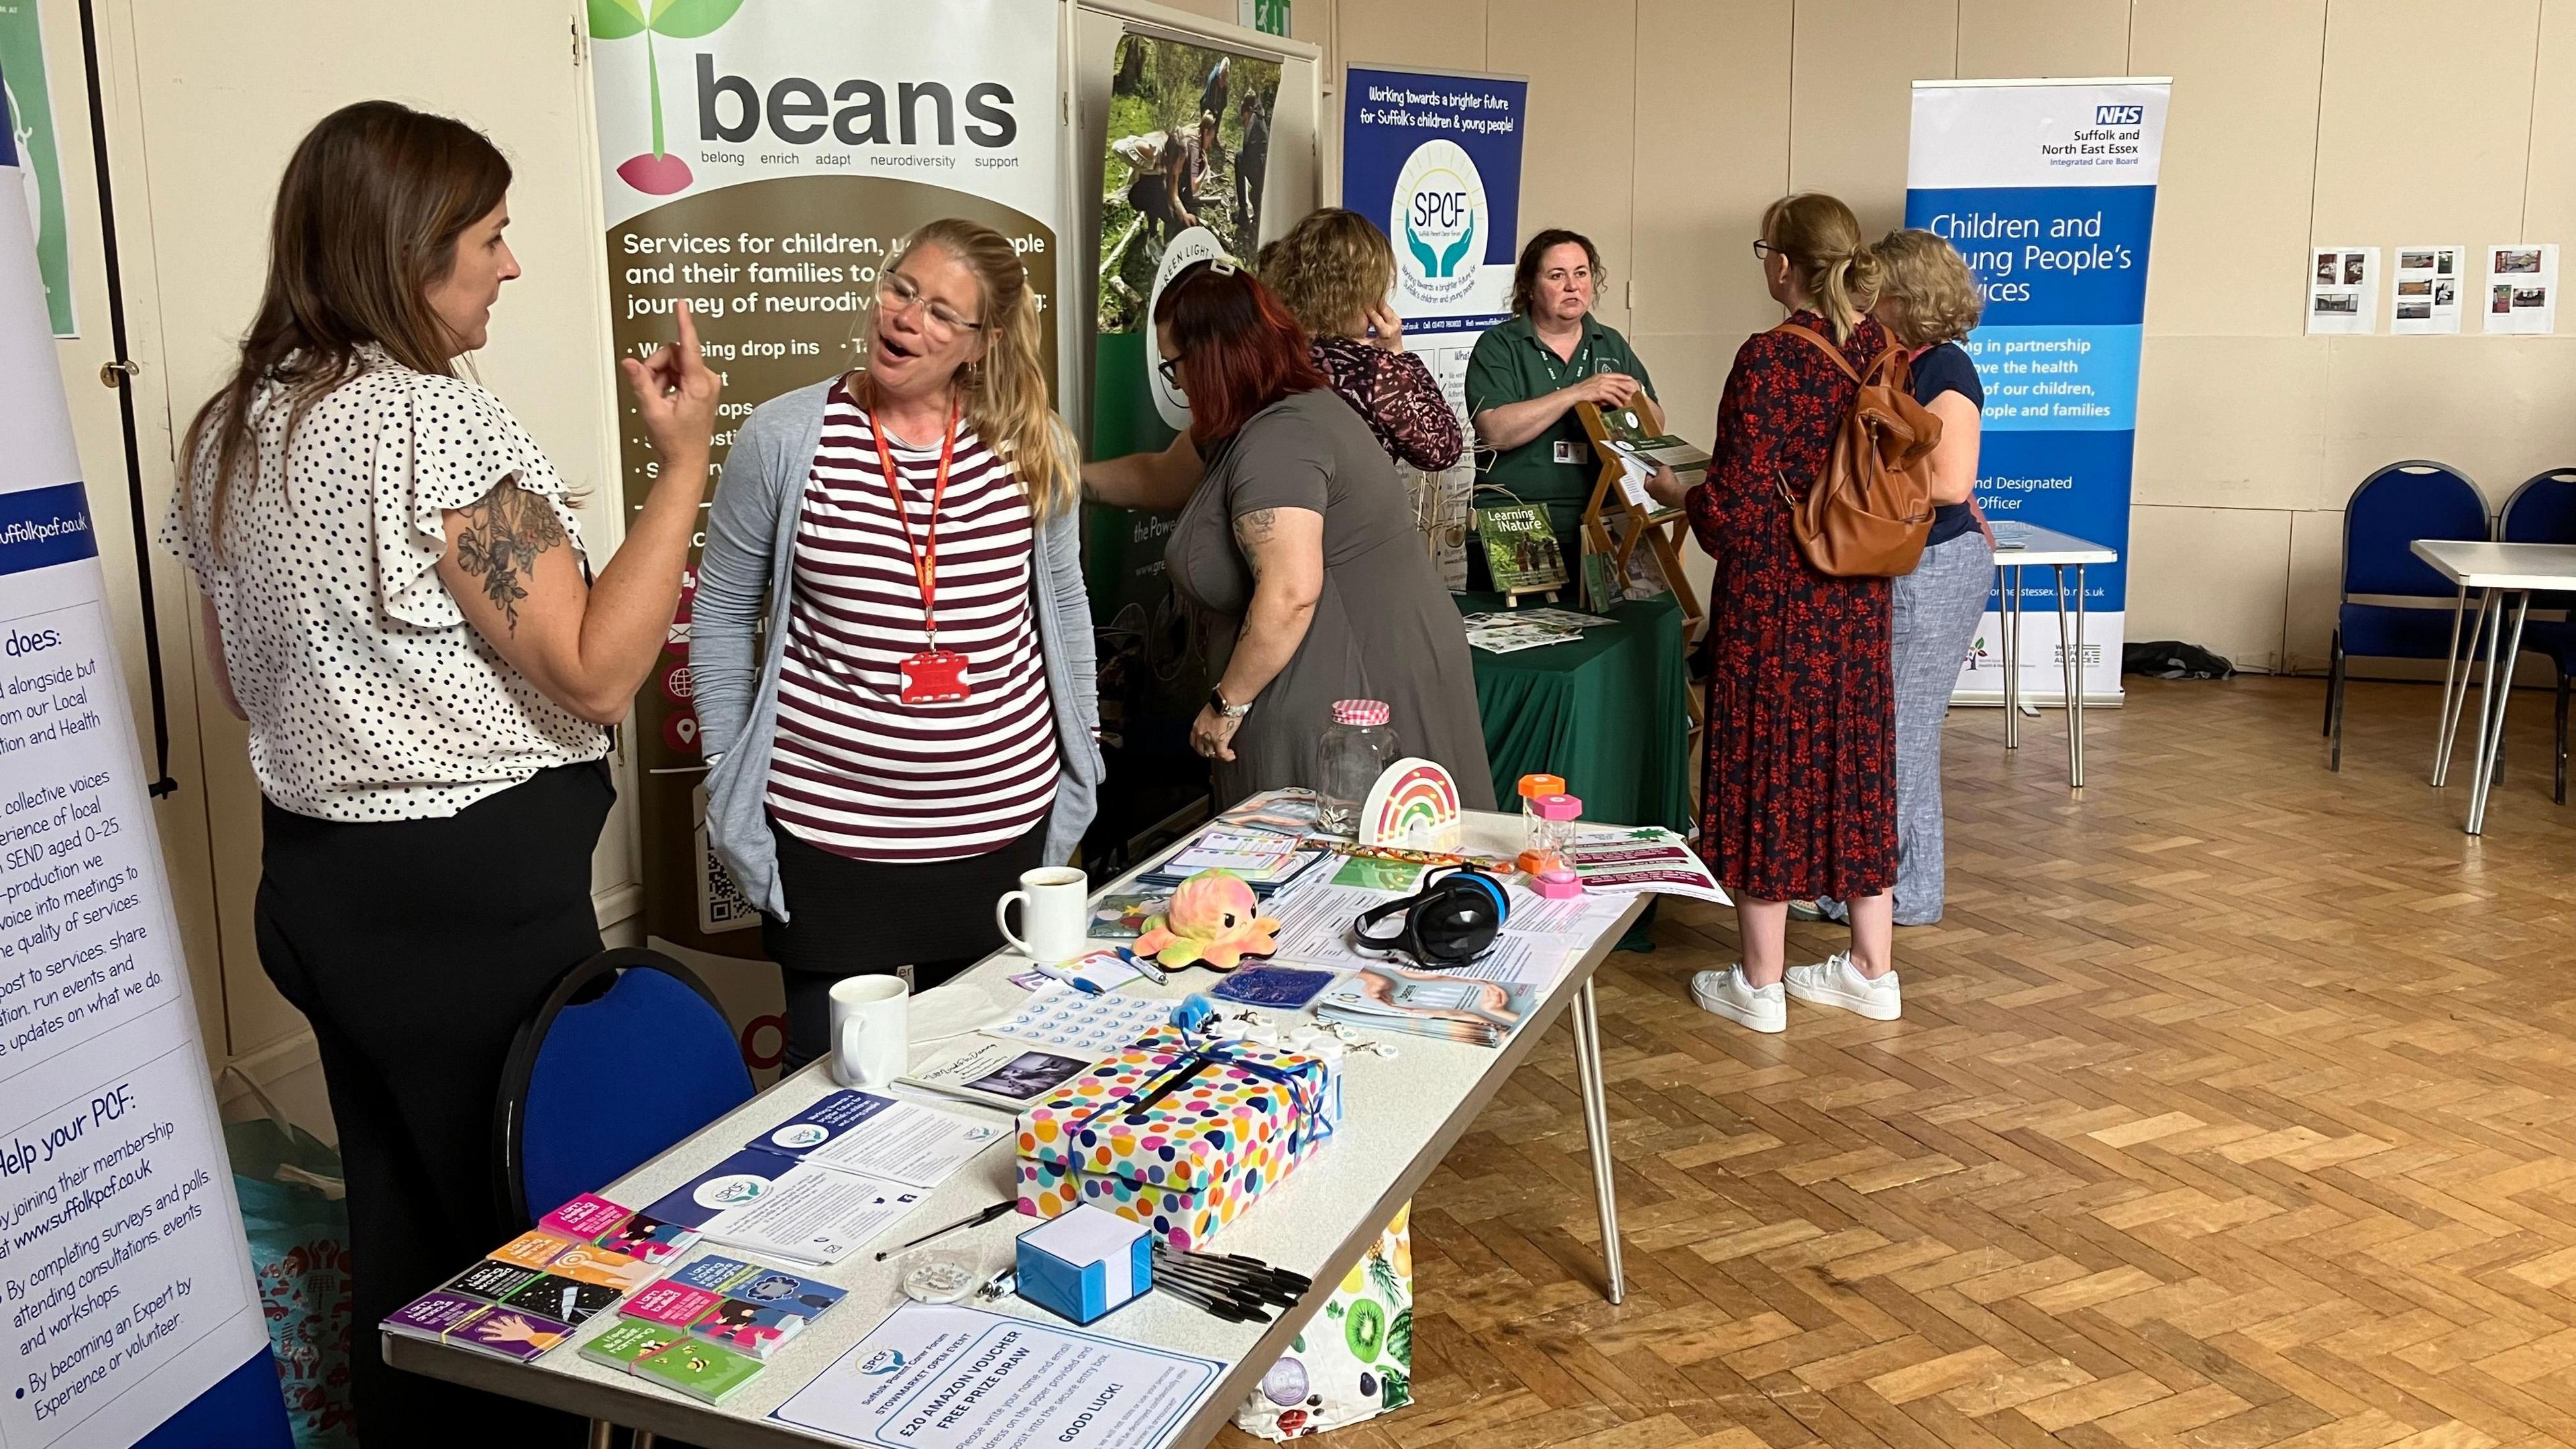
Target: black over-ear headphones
<point>1448,923</point>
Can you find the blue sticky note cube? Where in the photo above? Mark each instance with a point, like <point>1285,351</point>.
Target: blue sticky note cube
<point>1086,1262</point>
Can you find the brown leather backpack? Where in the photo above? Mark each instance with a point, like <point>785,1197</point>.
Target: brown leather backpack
<point>1870,509</point>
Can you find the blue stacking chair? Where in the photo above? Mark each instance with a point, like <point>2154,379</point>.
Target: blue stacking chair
<point>2543,510</point>
<point>2389,511</point>
<point>629,1055</point>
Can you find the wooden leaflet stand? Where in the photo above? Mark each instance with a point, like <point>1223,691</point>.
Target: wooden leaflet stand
<point>1659,530</point>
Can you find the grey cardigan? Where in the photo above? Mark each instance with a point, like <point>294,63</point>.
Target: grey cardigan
<point>751,536</point>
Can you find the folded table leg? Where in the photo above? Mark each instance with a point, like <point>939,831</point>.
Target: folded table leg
<point>1596,1129</point>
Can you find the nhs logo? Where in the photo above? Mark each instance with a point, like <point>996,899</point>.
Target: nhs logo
<point>2119,115</point>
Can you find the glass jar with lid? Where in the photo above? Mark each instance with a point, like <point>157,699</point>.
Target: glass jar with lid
<point>1356,746</point>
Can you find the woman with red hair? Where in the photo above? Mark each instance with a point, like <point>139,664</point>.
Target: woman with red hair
<point>1293,550</point>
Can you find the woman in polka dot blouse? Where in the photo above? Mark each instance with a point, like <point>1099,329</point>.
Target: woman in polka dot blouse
<point>398,600</point>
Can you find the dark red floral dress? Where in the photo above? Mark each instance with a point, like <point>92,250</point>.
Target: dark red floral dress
<point>1398,396</point>
<point>1798,798</point>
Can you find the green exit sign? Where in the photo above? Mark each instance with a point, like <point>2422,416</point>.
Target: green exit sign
<point>1270,17</point>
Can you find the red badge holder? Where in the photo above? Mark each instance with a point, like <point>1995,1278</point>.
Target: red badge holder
<point>934,676</point>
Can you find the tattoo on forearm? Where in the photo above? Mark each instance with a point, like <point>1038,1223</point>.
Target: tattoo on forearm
<point>503,536</point>
<point>1253,530</point>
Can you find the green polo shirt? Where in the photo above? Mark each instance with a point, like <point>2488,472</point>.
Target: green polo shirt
<point>1510,364</point>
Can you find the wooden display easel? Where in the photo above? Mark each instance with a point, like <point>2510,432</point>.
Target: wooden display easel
<point>1659,529</point>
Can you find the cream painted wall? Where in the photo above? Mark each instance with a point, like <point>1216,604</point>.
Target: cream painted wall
<point>1662,127</point>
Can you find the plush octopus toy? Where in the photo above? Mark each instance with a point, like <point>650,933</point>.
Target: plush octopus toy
<point>1214,921</point>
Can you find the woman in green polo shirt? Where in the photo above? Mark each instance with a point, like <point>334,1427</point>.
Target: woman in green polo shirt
<point>1526,376</point>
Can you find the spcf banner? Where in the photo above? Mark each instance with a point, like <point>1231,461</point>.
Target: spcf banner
<point>2048,189</point>
<point>762,159</point>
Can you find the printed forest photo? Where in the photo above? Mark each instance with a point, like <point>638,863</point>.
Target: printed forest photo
<point>1189,145</point>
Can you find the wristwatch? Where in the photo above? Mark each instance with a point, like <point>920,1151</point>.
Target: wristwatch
<point>1216,701</point>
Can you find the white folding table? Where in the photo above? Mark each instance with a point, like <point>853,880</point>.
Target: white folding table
<point>1401,1115</point>
<point>2029,545</point>
<point>2505,575</point>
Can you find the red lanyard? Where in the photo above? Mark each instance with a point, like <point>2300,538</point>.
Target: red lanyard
<point>925,555</point>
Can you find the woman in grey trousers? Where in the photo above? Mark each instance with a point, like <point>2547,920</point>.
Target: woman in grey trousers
<point>1929,302</point>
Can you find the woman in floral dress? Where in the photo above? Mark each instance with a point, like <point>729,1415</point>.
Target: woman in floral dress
<point>1798,796</point>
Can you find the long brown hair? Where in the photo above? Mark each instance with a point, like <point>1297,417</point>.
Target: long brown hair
<point>1005,394</point>
<point>366,223</point>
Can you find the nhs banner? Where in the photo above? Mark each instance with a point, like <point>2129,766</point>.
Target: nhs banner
<point>125,1286</point>
<point>2048,188</point>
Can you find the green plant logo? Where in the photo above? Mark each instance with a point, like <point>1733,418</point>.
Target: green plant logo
<point>658,172</point>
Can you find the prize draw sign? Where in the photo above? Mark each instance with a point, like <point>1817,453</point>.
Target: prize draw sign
<point>125,1291</point>
<point>2048,188</point>
<point>763,159</point>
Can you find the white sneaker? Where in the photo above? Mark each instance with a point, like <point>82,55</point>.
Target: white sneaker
<point>1835,981</point>
<point>1762,1008</point>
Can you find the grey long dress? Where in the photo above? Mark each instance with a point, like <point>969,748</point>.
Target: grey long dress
<point>1383,627</point>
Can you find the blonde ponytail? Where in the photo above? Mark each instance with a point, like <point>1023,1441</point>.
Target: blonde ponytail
<point>1005,391</point>
<point>1832,266</point>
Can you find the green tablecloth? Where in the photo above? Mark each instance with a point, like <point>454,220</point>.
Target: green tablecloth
<point>1606,712</point>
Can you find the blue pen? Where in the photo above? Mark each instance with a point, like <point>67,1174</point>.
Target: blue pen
<point>1152,972</point>
<point>1078,983</point>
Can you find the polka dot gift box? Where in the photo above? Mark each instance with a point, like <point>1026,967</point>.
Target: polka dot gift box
<point>1181,1139</point>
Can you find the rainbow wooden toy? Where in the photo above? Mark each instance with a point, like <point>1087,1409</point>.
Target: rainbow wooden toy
<point>1414,805</point>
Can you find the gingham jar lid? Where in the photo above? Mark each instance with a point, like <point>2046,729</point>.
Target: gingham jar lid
<point>1360,711</point>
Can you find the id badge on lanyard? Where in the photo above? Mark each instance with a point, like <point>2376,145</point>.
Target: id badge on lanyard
<point>1564,450</point>
<point>935,675</point>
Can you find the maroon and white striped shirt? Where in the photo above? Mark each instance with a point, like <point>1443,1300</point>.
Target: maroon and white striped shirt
<point>855,770</point>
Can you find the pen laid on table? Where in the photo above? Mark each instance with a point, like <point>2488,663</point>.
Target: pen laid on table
<point>975,1219</point>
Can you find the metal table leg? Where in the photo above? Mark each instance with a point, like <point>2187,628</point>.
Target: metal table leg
<point>2075,691</point>
<point>2456,702</point>
<point>1596,1129</point>
<point>2008,624</point>
<point>2491,704</point>
<point>2067,665</point>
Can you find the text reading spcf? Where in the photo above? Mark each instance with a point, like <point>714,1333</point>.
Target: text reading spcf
<point>1441,210</point>
<point>856,113</point>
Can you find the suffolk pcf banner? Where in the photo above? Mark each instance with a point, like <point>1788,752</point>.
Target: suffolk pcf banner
<point>762,159</point>
<point>1435,159</point>
<point>128,1314</point>
<point>2048,188</point>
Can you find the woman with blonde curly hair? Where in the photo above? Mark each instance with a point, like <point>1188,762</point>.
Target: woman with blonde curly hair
<point>1928,301</point>
<point>1333,271</point>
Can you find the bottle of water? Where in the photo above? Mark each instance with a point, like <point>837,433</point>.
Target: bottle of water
<point>1354,749</point>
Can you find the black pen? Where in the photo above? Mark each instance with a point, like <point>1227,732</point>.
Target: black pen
<point>974,1220</point>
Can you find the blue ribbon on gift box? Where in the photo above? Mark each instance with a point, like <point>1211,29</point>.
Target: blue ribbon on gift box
<point>1304,1088</point>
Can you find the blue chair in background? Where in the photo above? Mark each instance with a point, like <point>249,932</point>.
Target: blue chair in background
<point>2389,511</point>
<point>629,1055</point>
<point>2543,510</point>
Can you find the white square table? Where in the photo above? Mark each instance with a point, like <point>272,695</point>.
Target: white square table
<point>1401,1115</point>
<point>2060,552</point>
<point>2505,575</point>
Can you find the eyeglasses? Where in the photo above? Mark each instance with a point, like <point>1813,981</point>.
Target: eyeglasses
<point>1170,368</point>
<point>899,293</point>
<point>1763,250</point>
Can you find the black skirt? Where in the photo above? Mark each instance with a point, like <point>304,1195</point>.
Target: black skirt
<point>867,917</point>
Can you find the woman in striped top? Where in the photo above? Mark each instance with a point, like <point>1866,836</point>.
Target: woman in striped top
<point>921,727</point>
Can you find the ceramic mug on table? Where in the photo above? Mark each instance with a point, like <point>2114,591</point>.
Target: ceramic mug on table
<point>1055,907</point>
<point>871,1030</point>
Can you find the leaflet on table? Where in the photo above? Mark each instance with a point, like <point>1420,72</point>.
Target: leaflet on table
<point>1289,811</point>
<point>1427,1003</point>
<point>672,1357</point>
<point>1648,858</point>
<point>878,1136</point>
<point>734,1305</point>
<point>769,1204</point>
<point>936,1376</point>
<point>1004,1074</point>
<point>1067,1022</point>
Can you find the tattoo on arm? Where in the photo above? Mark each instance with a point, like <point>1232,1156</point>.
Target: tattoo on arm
<point>1251,532</point>
<point>503,536</point>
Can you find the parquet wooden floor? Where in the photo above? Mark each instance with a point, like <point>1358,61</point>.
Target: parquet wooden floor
<point>2234,1106</point>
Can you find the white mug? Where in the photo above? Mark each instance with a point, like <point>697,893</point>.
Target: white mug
<point>1055,903</point>
<point>871,1030</point>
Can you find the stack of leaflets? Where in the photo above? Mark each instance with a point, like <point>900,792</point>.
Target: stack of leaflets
<point>1007,1075</point>
<point>770,1203</point>
<point>526,1297</point>
<point>737,1306</point>
<point>1388,997</point>
<point>1513,632</point>
<point>1266,861</point>
<point>879,1137</point>
<point>1624,861</point>
<point>673,1358</point>
<point>1288,811</point>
